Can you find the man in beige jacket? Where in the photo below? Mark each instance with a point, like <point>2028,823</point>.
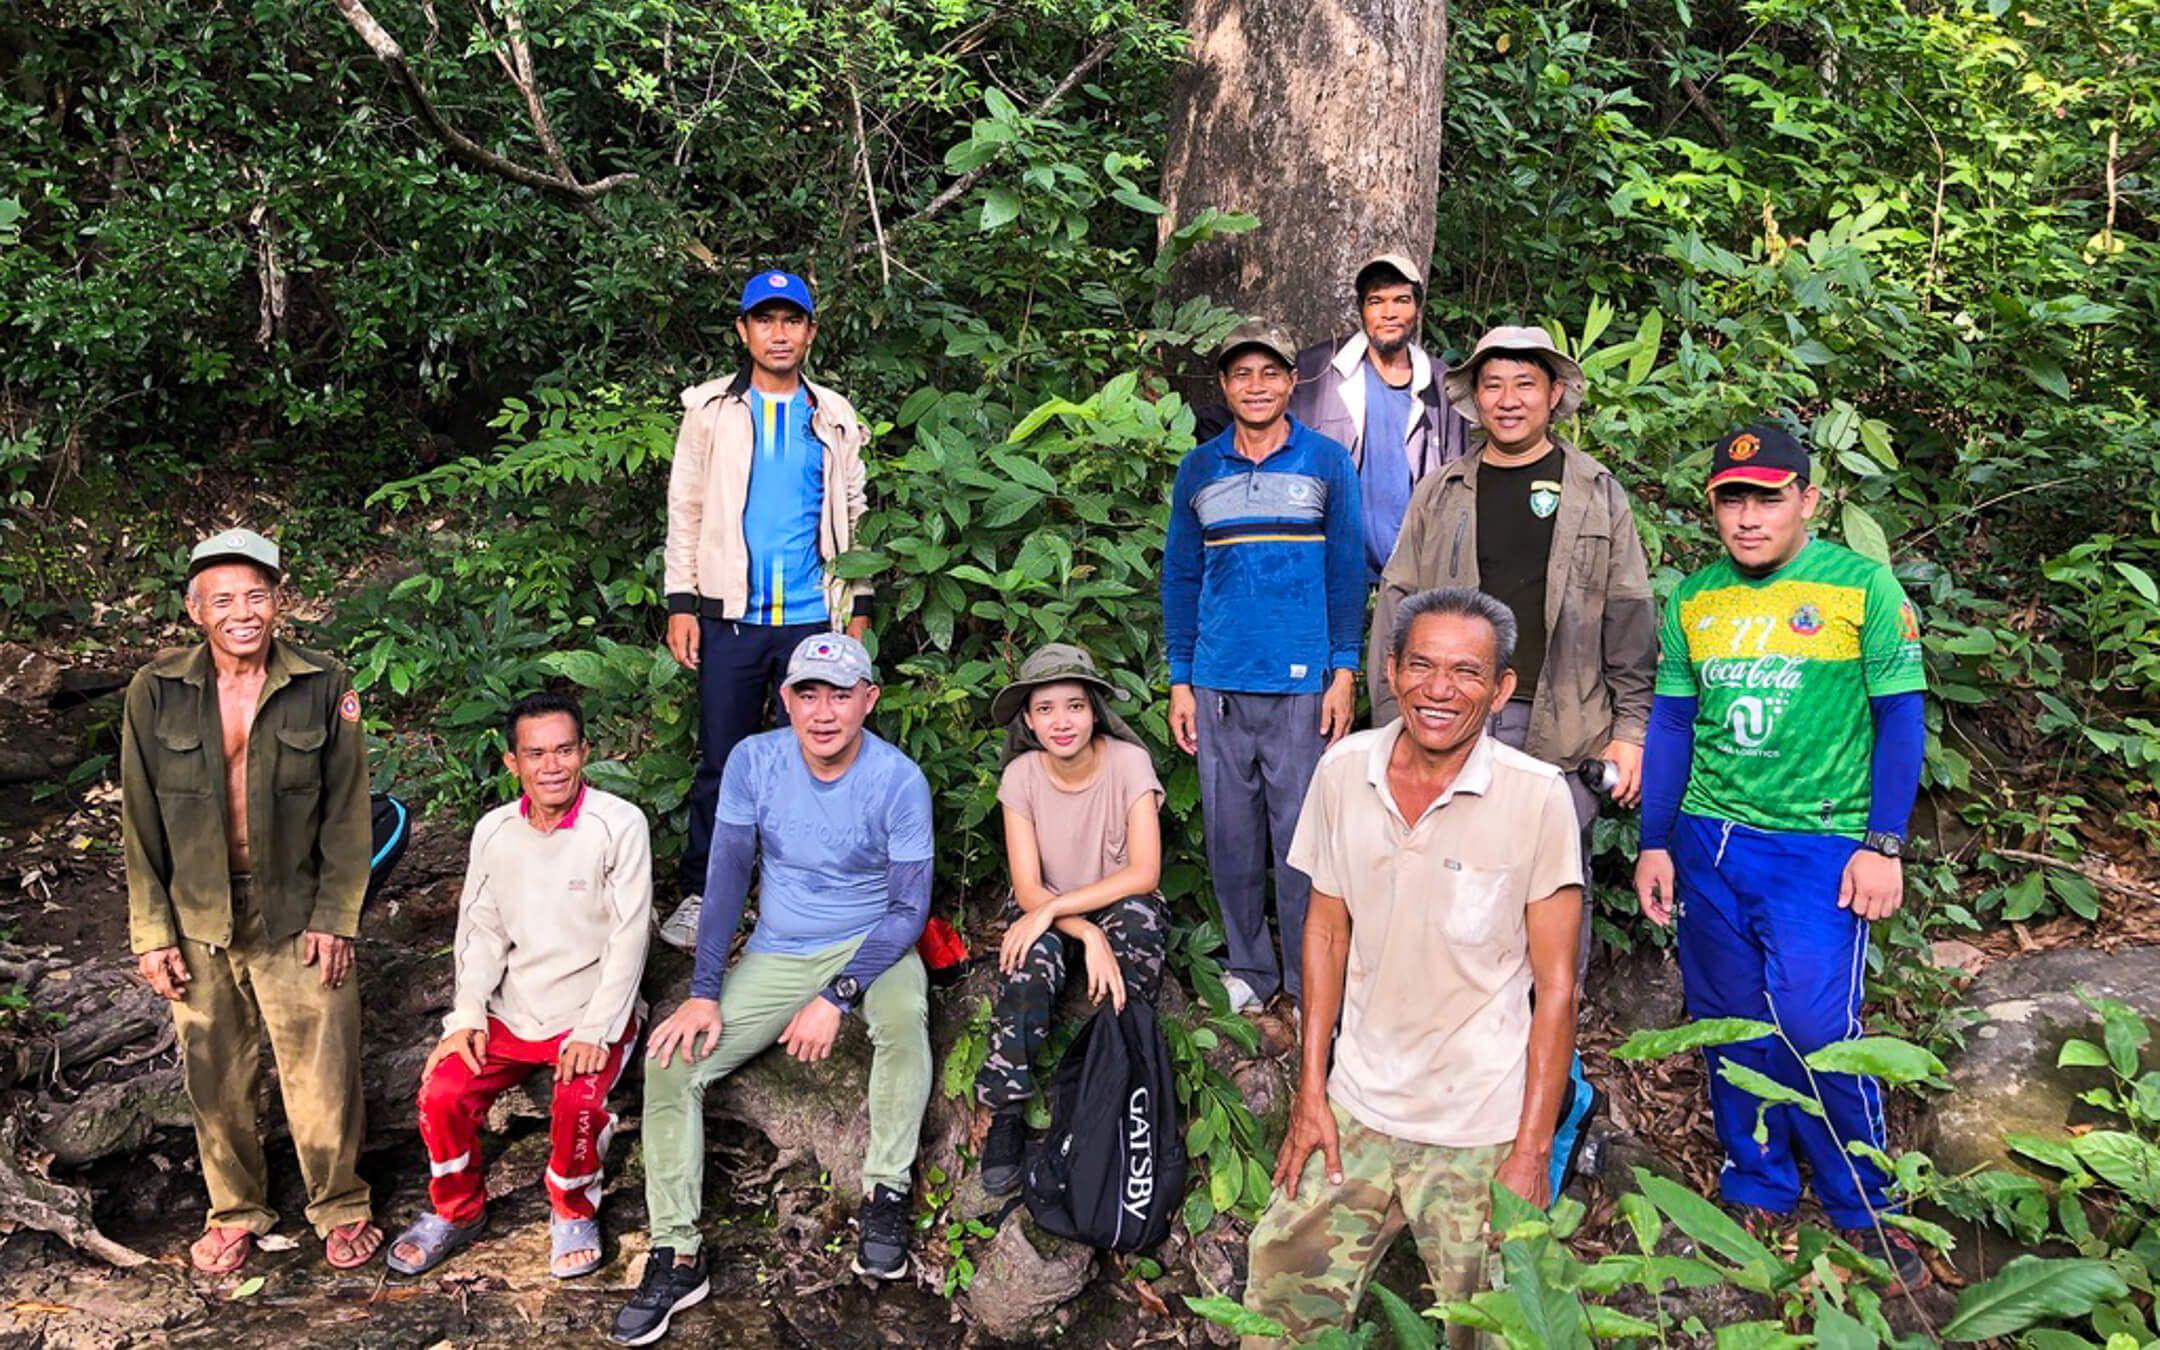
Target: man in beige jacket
<point>766,491</point>
<point>1547,530</point>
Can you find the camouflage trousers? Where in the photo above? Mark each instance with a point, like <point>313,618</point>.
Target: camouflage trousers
<point>1314,1248</point>
<point>1027,998</point>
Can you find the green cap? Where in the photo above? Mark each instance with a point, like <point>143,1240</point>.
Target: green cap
<point>235,546</point>
<point>1268,336</point>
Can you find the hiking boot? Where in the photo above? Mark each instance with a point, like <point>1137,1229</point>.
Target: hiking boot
<point>666,1290</point>
<point>1002,1158</point>
<point>1895,1249</point>
<point>882,1252</point>
<point>680,929</point>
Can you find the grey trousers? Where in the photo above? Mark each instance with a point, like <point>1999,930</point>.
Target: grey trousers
<point>1511,727</point>
<point>1257,755</point>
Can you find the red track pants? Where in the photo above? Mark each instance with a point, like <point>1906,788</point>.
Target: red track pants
<point>454,1102</point>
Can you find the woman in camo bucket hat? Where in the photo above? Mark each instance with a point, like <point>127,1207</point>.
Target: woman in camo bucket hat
<point>1083,845</point>
<point>1054,663</point>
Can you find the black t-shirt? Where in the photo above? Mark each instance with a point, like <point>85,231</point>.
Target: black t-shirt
<point>1515,510</point>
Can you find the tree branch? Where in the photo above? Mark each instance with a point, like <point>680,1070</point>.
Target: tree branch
<point>2129,163</point>
<point>392,56</point>
<point>962,185</point>
<point>862,155</point>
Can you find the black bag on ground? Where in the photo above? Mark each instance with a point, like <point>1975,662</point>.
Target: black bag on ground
<point>391,825</point>
<point>1110,1172</point>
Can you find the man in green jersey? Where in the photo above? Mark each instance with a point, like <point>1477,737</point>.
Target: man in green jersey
<point>1782,760</point>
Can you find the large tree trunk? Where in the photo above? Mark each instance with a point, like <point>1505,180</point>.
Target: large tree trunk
<point>1322,118</point>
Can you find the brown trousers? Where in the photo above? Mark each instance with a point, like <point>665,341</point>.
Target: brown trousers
<point>233,994</point>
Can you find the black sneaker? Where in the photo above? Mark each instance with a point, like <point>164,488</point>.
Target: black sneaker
<point>1002,1159</point>
<point>666,1290</point>
<point>882,1252</point>
<point>1895,1249</point>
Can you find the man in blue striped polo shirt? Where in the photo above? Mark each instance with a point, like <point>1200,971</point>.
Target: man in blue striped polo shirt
<point>1263,589</point>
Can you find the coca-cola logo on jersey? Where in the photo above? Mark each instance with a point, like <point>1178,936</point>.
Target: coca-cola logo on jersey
<point>1757,672</point>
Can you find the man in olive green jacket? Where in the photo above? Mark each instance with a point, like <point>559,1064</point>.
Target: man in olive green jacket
<point>244,811</point>
<point>1546,529</point>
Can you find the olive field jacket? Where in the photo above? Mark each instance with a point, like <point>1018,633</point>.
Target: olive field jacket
<point>1601,624</point>
<point>307,801</point>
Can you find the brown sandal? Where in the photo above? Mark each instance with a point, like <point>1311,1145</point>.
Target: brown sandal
<point>221,1251</point>
<point>350,1246</point>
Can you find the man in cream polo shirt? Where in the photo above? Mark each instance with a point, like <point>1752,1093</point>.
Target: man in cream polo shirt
<point>1446,889</point>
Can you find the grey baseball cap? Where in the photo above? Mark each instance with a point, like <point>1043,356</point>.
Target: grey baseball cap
<point>1268,336</point>
<point>830,658</point>
<point>235,546</point>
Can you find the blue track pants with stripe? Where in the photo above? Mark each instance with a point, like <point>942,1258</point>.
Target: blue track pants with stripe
<point>1761,935</point>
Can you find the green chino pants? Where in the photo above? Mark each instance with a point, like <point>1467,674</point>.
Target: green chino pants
<point>761,995</point>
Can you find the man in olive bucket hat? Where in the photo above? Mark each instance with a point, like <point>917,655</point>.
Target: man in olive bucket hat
<point>1547,530</point>
<point>1084,845</point>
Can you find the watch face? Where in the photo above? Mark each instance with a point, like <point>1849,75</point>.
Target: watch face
<point>846,986</point>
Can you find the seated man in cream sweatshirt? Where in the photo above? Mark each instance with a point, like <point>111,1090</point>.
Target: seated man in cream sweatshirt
<point>550,946</point>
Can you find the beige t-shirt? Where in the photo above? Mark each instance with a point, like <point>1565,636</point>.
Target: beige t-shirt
<point>1435,1036</point>
<point>1080,835</point>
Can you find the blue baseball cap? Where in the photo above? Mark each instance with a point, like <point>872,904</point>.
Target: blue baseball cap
<point>777,285</point>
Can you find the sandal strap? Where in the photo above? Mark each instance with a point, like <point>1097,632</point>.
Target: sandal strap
<point>435,1237</point>
<point>573,1235</point>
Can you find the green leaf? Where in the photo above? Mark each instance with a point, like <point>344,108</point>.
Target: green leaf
<point>1885,1057</point>
<point>1647,338</point>
<point>1836,1329</point>
<point>2124,1161</point>
<point>2125,1034</point>
<point>1933,1234</point>
<point>1001,107</point>
<point>1714,1230</point>
<point>1228,1313</point>
<point>1770,1090</point>
<point>2032,1289</point>
<point>1838,428</point>
<point>2049,376</point>
<point>1711,1031</point>
<point>1411,1331</point>
<point>247,1288</point>
<point>2140,581</point>
<point>1001,206</point>
<point>2055,1153</point>
<point>1862,535</point>
<point>918,403</point>
<point>1554,1316</point>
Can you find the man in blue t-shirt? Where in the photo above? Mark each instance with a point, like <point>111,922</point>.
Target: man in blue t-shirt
<point>765,492</point>
<point>1263,592</point>
<point>841,821</point>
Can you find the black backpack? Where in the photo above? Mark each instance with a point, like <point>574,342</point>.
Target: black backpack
<point>1111,1170</point>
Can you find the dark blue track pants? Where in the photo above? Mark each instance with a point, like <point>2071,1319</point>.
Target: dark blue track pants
<point>1761,936</point>
<point>738,675</point>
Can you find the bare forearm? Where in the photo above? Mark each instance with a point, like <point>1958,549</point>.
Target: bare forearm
<point>1131,880</point>
<point>1327,958</point>
<point>1552,1051</point>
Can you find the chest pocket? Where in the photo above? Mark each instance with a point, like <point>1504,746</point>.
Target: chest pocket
<point>182,768</point>
<point>1484,908</point>
<point>299,759</point>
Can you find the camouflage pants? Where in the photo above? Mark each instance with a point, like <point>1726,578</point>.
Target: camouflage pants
<point>1027,998</point>
<point>1314,1248</point>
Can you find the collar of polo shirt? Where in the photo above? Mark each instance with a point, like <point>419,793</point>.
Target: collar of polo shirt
<point>1475,777</point>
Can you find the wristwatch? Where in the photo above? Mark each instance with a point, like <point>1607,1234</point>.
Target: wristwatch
<point>845,990</point>
<point>1885,843</point>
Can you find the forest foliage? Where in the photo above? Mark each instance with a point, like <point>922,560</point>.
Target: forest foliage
<point>239,278</point>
